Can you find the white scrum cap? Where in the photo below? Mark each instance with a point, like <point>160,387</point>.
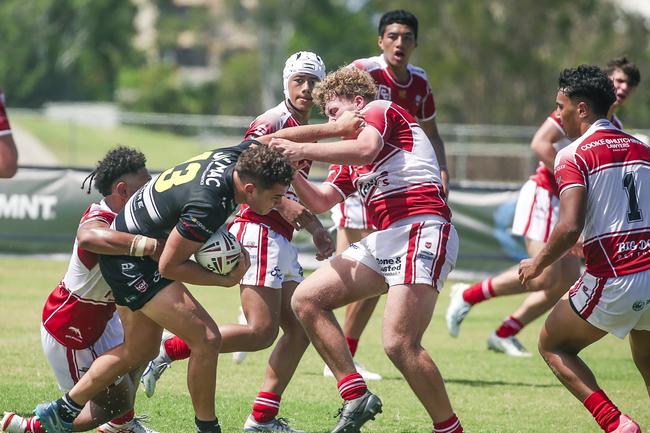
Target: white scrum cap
<point>302,62</point>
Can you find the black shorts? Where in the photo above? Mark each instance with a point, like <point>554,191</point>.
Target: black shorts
<point>133,280</point>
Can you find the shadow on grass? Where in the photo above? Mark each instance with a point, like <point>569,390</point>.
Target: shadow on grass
<point>481,383</point>
<point>469,382</point>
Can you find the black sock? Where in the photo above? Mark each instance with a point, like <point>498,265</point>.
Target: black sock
<point>68,409</point>
<point>207,426</point>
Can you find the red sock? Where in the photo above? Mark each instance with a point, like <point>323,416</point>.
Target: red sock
<point>34,425</point>
<point>266,406</point>
<point>509,328</point>
<point>176,348</point>
<point>353,343</point>
<point>452,425</point>
<point>479,292</point>
<point>603,410</point>
<point>352,386</point>
<point>127,417</point>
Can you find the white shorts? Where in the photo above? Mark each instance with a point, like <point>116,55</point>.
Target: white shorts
<point>69,364</point>
<point>616,305</point>
<point>536,212</point>
<point>274,259</point>
<point>351,214</point>
<point>415,250</point>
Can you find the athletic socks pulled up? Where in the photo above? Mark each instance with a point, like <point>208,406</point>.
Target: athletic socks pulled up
<point>68,408</point>
<point>509,328</point>
<point>176,349</point>
<point>266,406</point>
<point>207,426</point>
<point>352,386</point>
<point>479,292</point>
<point>452,425</point>
<point>353,344</point>
<point>603,410</point>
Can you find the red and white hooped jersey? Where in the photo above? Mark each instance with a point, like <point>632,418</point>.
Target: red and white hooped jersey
<point>404,179</point>
<point>78,309</point>
<point>5,128</point>
<point>543,176</point>
<point>614,167</point>
<point>415,95</point>
<point>278,117</point>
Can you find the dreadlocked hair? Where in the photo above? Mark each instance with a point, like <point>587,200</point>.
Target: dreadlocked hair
<point>118,161</point>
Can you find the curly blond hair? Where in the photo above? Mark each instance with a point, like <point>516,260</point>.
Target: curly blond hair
<point>346,82</point>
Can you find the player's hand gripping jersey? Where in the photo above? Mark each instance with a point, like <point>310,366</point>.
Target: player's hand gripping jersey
<point>278,117</point>
<point>404,179</point>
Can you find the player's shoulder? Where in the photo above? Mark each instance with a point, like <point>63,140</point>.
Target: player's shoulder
<point>270,121</point>
<point>417,72</point>
<point>370,64</point>
<point>98,211</point>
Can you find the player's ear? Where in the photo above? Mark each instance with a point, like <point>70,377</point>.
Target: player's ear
<point>359,101</point>
<point>121,189</point>
<point>249,188</point>
<point>583,109</point>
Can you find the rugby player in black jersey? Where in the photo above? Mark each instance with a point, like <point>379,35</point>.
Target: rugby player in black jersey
<point>185,204</point>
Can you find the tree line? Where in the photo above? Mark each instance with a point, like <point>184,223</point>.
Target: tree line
<point>493,62</point>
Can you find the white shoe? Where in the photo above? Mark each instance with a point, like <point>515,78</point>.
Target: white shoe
<point>239,357</point>
<point>366,374</point>
<point>457,309</point>
<point>13,423</point>
<point>133,426</point>
<point>275,425</point>
<point>156,368</point>
<point>509,345</point>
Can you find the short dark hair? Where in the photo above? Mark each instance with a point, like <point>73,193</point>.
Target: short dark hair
<point>118,161</point>
<point>398,16</point>
<point>264,166</point>
<point>590,84</point>
<point>625,65</point>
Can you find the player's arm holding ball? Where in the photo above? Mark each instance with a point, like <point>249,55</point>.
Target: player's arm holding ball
<point>175,264</point>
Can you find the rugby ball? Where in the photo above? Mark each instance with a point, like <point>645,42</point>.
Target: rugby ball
<point>220,253</point>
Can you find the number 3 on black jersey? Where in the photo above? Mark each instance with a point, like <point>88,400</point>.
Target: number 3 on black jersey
<point>178,176</point>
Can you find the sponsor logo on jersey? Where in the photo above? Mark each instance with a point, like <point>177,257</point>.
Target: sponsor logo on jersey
<point>640,305</point>
<point>368,184</point>
<point>77,334</point>
<point>624,247</point>
<point>213,173</point>
<point>611,143</point>
<point>384,92</point>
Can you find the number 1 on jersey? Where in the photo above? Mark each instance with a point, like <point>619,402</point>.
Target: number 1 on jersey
<point>633,213</point>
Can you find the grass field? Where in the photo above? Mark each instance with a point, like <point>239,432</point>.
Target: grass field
<point>490,392</point>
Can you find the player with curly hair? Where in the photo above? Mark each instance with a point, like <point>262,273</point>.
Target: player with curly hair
<point>611,296</point>
<point>391,163</point>
<point>79,322</point>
